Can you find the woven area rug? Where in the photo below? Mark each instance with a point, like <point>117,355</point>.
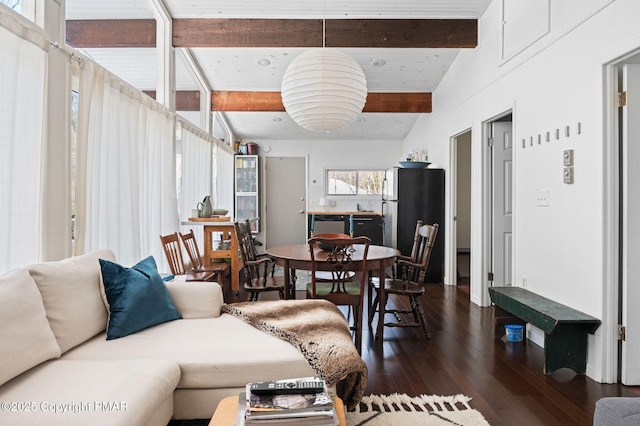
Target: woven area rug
<point>401,409</point>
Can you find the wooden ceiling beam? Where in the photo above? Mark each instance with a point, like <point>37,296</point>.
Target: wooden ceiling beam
<point>204,32</point>
<point>382,33</point>
<point>111,33</point>
<point>272,101</point>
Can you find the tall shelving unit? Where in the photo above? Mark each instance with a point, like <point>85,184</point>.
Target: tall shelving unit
<point>247,186</point>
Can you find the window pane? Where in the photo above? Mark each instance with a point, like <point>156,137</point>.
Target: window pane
<point>13,4</point>
<point>370,182</point>
<point>341,182</point>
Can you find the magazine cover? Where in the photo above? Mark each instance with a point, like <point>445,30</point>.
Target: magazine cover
<point>278,403</point>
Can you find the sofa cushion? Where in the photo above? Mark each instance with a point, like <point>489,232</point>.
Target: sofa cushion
<point>70,290</point>
<point>223,352</point>
<point>92,393</point>
<point>137,297</point>
<point>26,339</point>
<point>196,299</point>
<point>617,411</point>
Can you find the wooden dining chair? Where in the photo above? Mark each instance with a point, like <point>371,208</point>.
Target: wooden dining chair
<point>258,269</point>
<point>408,282</point>
<point>334,255</point>
<point>220,269</point>
<point>173,252</point>
<point>326,275</point>
<point>373,276</point>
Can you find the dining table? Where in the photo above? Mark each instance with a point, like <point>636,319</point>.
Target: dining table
<point>297,257</point>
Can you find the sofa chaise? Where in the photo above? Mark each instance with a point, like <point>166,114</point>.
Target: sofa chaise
<point>58,367</point>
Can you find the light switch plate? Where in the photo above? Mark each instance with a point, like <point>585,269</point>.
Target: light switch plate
<point>542,198</point>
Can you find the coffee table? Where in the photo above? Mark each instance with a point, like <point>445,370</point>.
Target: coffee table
<point>227,410</point>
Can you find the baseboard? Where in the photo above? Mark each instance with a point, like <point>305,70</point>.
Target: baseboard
<point>535,335</point>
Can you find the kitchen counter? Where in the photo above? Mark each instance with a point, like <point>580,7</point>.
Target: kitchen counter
<point>356,213</point>
<point>362,223</point>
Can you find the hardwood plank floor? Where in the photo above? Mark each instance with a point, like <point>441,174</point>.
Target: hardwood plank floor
<point>468,355</point>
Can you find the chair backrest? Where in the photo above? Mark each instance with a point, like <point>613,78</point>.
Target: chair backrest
<point>416,241</point>
<point>190,243</point>
<point>416,269</point>
<point>245,240</point>
<point>173,252</point>
<point>253,274</point>
<point>336,257</point>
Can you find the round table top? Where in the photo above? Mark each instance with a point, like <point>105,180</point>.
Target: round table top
<point>300,252</point>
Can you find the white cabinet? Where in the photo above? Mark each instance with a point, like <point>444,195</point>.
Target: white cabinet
<point>247,186</point>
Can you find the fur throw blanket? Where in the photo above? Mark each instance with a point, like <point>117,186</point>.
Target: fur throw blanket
<point>320,331</point>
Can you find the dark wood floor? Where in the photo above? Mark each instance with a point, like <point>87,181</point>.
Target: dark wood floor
<point>468,355</point>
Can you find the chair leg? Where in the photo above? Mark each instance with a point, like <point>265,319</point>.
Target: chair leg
<point>357,321</point>
<point>419,312</point>
<point>373,308</point>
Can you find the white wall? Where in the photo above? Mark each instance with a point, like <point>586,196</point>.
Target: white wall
<point>556,82</point>
<point>336,154</point>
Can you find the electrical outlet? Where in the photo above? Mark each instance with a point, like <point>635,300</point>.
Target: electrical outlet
<point>524,281</point>
<point>542,198</point>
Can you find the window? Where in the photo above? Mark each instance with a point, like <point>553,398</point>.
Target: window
<point>13,4</point>
<point>354,182</point>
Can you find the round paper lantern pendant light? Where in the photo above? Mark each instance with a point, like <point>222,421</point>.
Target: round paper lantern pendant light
<point>324,90</point>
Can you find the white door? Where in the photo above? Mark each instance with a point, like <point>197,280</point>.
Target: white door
<point>502,203</point>
<point>630,272</point>
<point>285,205</point>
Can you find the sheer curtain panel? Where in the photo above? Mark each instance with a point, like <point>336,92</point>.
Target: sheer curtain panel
<point>224,192</point>
<point>23,67</point>
<point>126,158</point>
<point>196,175</point>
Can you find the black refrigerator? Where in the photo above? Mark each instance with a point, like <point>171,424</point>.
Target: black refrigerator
<point>420,195</point>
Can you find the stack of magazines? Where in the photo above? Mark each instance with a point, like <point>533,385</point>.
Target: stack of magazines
<point>302,401</point>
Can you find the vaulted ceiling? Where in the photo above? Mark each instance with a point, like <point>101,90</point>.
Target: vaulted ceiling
<point>243,48</point>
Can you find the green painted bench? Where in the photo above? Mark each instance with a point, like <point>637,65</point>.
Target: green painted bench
<point>565,329</point>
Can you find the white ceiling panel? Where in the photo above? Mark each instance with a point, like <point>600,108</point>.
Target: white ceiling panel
<point>400,70</point>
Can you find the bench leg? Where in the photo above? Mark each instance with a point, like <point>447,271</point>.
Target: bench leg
<point>566,348</point>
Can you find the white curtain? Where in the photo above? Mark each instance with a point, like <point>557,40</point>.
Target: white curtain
<point>224,186</point>
<point>23,70</point>
<point>126,169</point>
<point>196,174</point>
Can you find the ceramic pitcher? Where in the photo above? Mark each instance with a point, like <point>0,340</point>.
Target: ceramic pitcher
<point>204,207</point>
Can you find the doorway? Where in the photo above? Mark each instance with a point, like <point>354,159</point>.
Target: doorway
<point>461,237</point>
<point>498,235</point>
<point>285,201</point>
<point>622,224</point>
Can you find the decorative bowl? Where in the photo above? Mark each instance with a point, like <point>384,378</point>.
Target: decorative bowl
<point>219,212</point>
<point>414,164</point>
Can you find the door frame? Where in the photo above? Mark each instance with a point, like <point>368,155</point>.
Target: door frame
<point>611,294</point>
<point>452,265</point>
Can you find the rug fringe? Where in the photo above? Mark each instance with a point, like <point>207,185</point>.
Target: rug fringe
<point>404,402</point>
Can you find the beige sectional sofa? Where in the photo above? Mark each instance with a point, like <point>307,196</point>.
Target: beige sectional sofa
<point>58,368</point>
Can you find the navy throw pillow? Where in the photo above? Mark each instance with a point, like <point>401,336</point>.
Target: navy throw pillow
<point>137,296</point>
